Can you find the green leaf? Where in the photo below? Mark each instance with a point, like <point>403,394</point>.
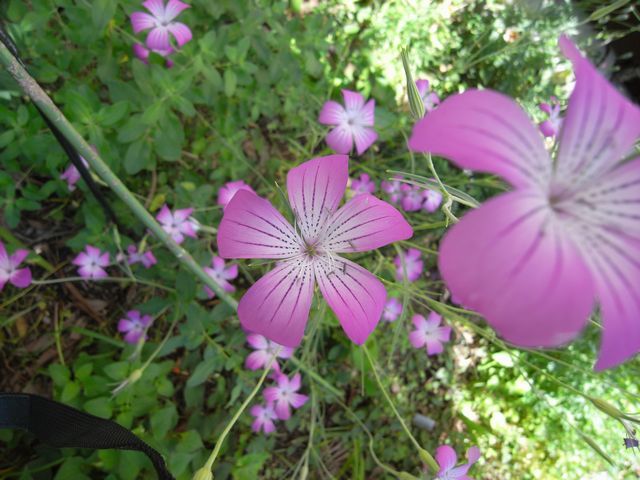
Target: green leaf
<point>203,371</point>
<point>59,374</point>
<point>100,407</point>
<point>137,157</point>
<point>168,139</point>
<point>163,420</point>
<point>102,12</point>
<point>117,371</point>
<point>248,466</point>
<point>132,130</point>
<point>113,113</point>
<point>69,392</point>
<point>230,82</point>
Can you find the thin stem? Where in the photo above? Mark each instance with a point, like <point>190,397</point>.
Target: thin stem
<point>53,281</point>
<point>447,200</point>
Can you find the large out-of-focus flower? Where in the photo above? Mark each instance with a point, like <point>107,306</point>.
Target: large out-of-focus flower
<point>265,349</point>
<point>429,333</point>
<point>551,126</point>
<point>392,309</point>
<point>285,395</point>
<point>352,123</point>
<point>277,306</point>
<point>92,263</point>
<point>363,184</point>
<point>534,261</point>
<point>9,271</point>
<point>429,99</point>
<point>447,459</point>
<point>221,274</point>
<point>178,224</point>
<point>161,23</point>
<point>413,265</point>
<point>264,417</point>
<point>229,189</point>
<point>134,326</point>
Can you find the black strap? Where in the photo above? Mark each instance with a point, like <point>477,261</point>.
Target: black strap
<point>62,426</point>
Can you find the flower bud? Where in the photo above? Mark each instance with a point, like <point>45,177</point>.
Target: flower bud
<point>416,105</point>
<point>607,408</point>
<point>428,460</point>
<point>203,474</point>
<point>135,376</point>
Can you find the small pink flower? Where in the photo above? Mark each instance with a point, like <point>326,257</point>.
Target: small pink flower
<point>393,189</point>
<point>429,332</point>
<point>264,417</point>
<point>143,53</point>
<point>161,24</point>
<point>429,99</point>
<point>228,190</point>
<point>71,175</point>
<point>285,395</point>
<point>363,184</point>
<point>221,274</point>
<point>551,126</point>
<point>412,198</point>
<point>92,262</point>
<point>134,326</point>
<point>352,123</point>
<point>147,259</point>
<point>178,224</point>
<point>413,264</point>
<point>447,459</point>
<point>265,349</point>
<point>392,310</point>
<point>9,271</point>
<point>432,200</point>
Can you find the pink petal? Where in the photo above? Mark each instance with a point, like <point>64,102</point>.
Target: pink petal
<point>173,9</point>
<point>511,261</point>
<point>367,115</point>
<point>340,139</point>
<point>3,252</point>
<point>417,339</point>
<point>252,228</point>
<point>103,260</point>
<point>158,39</point>
<point>165,216</point>
<point>256,426</point>
<point>546,108</point>
<point>423,87</point>
<point>18,256</point>
<point>365,223</point>
<point>419,322</point>
<point>125,325</point>
<point>355,295</point>
<point>434,347</point>
<point>257,342</point>
<point>547,128</point>
<point>444,334</point>
<point>315,190</point>
<point>268,427</point>
<point>271,394</point>
<point>256,360</point>
<point>446,458</point>
<point>182,214</point>
<point>353,101</point>
<point>473,455</point>
<point>364,138</point>
<point>283,410</point>
<point>332,113</point>
<point>156,7</point>
<point>142,21</point>
<point>21,278</point>
<point>81,259</point>
<point>485,131</point>
<point>298,400</point>
<point>180,32</point>
<point>277,306</point>
<point>296,382</point>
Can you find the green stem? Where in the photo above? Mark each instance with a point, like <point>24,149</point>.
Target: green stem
<point>31,88</point>
<point>447,199</point>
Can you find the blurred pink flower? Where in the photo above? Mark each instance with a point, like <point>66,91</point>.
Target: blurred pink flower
<point>264,417</point>
<point>228,190</point>
<point>161,23</point>
<point>277,306</point>
<point>285,395</point>
<point>363,184</point>
<point>9,271</point>
<point>429,333</point>
<point>352,123</point>
<point>392,309</point>
<point>264,350</point>
<point>393,189</point>
<point>92,262</point>
<point>429,99</point>
<point>533,261</point>
<point>143,54</point>
<point>432,200</point>
<point>221,274</point>
<point>177,224</point>
<point>447,459</point>
<point>147,259</point>
<point>71,175</point>
<point>134,326</point>
<point>551,126</point>
<point>412,198</point>
<point>412,263</point>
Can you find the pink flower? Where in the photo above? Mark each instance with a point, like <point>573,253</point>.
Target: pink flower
<point>277,306</point>
<point>264,350</point>
<point>143,54</point>
<point>134,326</point>
<point>412,198</point>
<point>147,259</point>
<point>91,263</point>
<point>363,184</point>
<point>71,175</point>
<point>9,271</point>
<point>447,459</point>
<point>393,189</point>
<point>177,224</point>
<point>352,123</point>
<point>221,274</point>
<point>413,264</point>
<point>285,395</point>
<point>551,126</point>
<point>228,190</point>
<point>534,260</point>
<point>432,200</point>
<point>392,309</point>
<point>429,332</point>
<point>161,24</point>
<point>429,99</point>
<point>264,417</point>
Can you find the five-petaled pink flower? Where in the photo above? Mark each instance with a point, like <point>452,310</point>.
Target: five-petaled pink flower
<point>221,274</point>
<point>143,54</point>
<point>177,224</point>
<point>392,309</point>
<point>161,22</point>
<point>9,271</point>
<point>285,395</point>
<point>277,306</point>
<point>147,259</point>
<point>363,184</point>
<point>447,459</point>
<point>134,326</point>
<point>429,99</point>
<point>534,260</point>
<point>265,349</point>
<point>429,333</point>
<point>229,189</point>
<point>413,265</point>
<point>551,126</point>
<point>352,123</point>
<point>264,417</point>
<point>92,262</point>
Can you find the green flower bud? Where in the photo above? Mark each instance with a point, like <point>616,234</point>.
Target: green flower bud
<point>428,460</point>
<point>203,474</point>
<point>607,408</point>
<point>416,105</point>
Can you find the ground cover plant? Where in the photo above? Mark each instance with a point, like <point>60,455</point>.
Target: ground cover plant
<point>323,239</point>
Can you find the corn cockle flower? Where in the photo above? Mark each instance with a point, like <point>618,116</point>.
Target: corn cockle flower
<point>92,262</point>
<point>178,224</point>
<point>352,123</point>
<point>134,326</point>
<point>229,189</point>
<point>221,274</point>
<point>393,189</point>
<point>447,459</point>
<point>429,99</point>
<point>533,261</point>
<point>392,309</point>
<point>143,54</point>
<point>9,271</point>
<point>265,349</point>
<point>413,264</point>
<point>161,22</point>
<point>277,306</point>
<point>285,395</point>
<point>412,198</point>
<point>363,184</point>
<point>551,126</point>
<point>429,333</point>
<point>264,416</point>
<point>147,259</point>
<point>432,200</point>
